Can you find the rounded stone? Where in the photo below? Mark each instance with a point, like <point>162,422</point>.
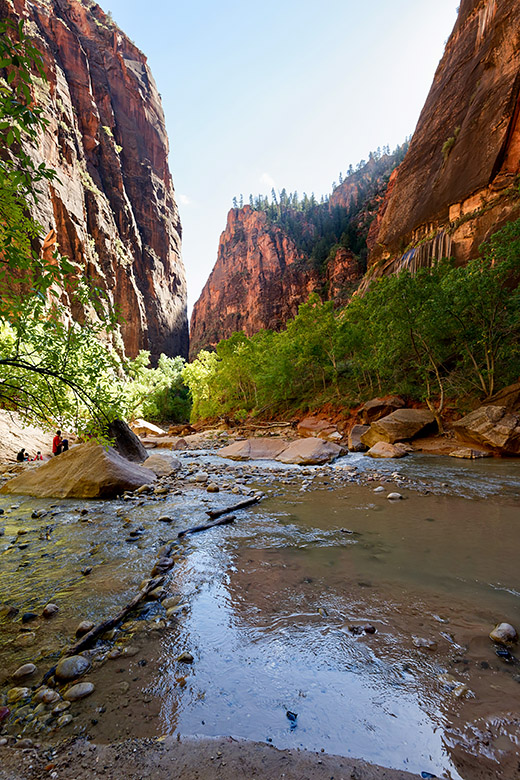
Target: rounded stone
<point>17,694</point>
<point>64,720</point>
<point>212,488</point>
<point>504,634</point>
<point>61,707</point>
<point>24,671</point>
<point>394,496</point>
<point>50,697</point>
<point>49,610</point>
<point>79,691</point>
<point>84,627</point>
<point>72,667</point>
<point>25,640</point>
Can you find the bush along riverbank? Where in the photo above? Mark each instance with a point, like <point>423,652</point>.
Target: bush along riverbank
<point>441,333</point>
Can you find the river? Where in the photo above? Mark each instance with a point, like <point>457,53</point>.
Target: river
<point>327,617</point>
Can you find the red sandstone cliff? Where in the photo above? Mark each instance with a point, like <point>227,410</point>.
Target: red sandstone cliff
<point>459,180</point>
<point>113,208</point>
<point>263,273</point>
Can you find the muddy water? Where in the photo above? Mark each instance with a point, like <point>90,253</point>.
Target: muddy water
<point>274,610</point>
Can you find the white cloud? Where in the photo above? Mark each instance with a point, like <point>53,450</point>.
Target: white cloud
<point>267,180</point>
<point>184,200</point>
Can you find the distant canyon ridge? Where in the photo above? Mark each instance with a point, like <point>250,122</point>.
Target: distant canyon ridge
<point>457,184</point>
<point>112,210</point>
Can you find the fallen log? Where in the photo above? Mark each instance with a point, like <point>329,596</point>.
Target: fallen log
<point>205,526</point>
<point>87,640</point>
<point>213,513</point>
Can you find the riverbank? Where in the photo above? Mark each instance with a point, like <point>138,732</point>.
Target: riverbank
<point>186,759</point>
<point>277,610</point>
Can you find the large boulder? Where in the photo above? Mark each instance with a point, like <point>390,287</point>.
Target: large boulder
<point>314,426</point>
<point>310,452</point>
<point>143,428</point>
<point>253,449</point>
<point>125,441</point>
<point>401,425</point>
<point>166,443</point>
<point>354,438</point>
<point>380,407</point>
<point>86,471</point>
<point>493,427</point>
<point>509,397</point>
<point>469,453</point>
<point>162,464</point>
<point>384,450</point>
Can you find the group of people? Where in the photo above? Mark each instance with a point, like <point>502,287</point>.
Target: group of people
<point>59,445</point>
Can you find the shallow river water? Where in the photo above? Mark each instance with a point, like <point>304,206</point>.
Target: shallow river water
<point>326,617</point>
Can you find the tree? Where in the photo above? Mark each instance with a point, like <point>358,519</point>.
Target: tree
<point>51,368</point>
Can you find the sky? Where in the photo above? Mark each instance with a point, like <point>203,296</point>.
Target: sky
<point>279,93</point>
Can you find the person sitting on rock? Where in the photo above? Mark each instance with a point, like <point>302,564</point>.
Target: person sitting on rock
<point>59,445</point>
<point>38,456</point>
<point>21,455</point>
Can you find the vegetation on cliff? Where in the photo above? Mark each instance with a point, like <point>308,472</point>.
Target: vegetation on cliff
<point>319,228</point>
<point>443,332</point>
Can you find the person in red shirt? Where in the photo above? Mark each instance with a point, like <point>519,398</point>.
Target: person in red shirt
<point>59,445</point>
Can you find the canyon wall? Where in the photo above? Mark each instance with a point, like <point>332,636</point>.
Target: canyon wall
<point>459,181</point>
<point>113,208</point>
<point>265,270</point>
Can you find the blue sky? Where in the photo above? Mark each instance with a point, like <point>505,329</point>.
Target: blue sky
<point>283,93</point>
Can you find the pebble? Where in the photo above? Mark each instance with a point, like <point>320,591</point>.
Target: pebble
<point>28,616</point>
<point>201,476</point>
<point>212,488</point>
<point>72,667</point>
<point>17,694</point>
<point>50,697</point>
<point>49,610</point>
<point>161,491</point>
<point>61,707</point>
<point>165,519</point>
<point>84,627</point>
<point>24,743</point>
<point>379,489</point>
<point>24,671</point>
<point>64,720</point>
<point>185,658</point>
<point>427,644</point>
<point>79,691</point>
<point>504,634</point>
<point>86,571</point>
<point>171,601</point>
<point>3,742</point>
<point>4,713</point>
<point>25,640</point>
<point>394,496</point>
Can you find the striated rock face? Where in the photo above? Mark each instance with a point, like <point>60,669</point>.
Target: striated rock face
<point>259,280</point>
<point>458,181</point>
<point>113,208</point>
<point>263,274</point>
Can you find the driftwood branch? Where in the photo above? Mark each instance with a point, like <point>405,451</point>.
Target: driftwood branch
<point>86,641</point>
<point>213,513</point>
<point>205,526</point>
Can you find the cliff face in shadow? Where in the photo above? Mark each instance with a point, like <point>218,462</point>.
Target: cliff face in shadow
<point>459,180</point>
<point>113,208</point>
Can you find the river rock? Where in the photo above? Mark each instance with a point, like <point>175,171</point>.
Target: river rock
<point>167,443</point>
<point>493,427</point>
<point>86,471</point>
<point>79,691</point>
<point>162,566</point>
<point>201,476</point>
<point>401,425</point>
<point>253,449</point>
<point>50,697</point>
<point>49,610</point>
<point>24,671</point>
<point>384,450</point>
<point>394,496</point>
<point>64,720</point>
<point>185,658</point>
<point>314,426</point>
<point>143,428</point>
<point>84,627</point>
<point>380,407</point>
<point>17,694</point>
<point>504,634</point>
<point>62,706</point>
<point>354,438</point>
<point>72,667</point>
<point>212,488</point>
<point>162,464</point>
<point>311,451</point>
<point>25,640</point>
<point>469,453</point>
<point>125,442</point>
